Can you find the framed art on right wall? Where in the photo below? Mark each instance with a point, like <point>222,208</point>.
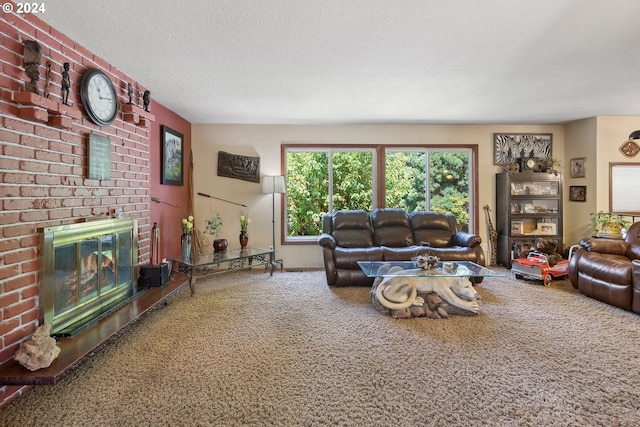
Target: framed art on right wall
<point>578,167</point>
<point>578,193</point>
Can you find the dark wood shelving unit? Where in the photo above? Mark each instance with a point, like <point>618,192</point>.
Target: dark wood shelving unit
<point>528,206</point>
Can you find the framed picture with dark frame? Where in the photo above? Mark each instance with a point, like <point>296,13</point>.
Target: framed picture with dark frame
<point>578,167</point>
<point>508,147</point>
<point>578,193</point>
<point>172,157</point>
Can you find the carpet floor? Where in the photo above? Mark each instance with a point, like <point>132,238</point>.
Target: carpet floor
<point>253,350</point>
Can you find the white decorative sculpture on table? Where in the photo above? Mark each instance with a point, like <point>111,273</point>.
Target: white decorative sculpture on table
<point>404,292</point>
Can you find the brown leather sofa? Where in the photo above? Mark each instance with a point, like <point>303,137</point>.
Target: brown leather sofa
<point>350,236</point>
<point>609,270</point>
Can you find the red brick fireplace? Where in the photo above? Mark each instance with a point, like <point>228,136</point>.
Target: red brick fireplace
<point>43,170</point>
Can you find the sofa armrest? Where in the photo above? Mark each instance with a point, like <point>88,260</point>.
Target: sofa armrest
<point>605,246</point>
<point>326,240</point>
<point>635,299</point>
<point>468,240</point>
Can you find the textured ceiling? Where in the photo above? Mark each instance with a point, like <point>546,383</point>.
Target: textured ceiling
<point>369,61</point>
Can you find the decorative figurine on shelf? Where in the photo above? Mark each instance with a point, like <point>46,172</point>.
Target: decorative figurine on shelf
<point>65,83</point>
<point>130,93</point>
<point>146,99</point>
<point>31,58</point>
<point>47,84</point>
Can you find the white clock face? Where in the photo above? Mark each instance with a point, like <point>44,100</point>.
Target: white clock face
<point>531,163</point>
<point>99,97</point>
<point>102,98</point>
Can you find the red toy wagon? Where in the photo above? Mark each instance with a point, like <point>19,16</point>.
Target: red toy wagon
<point>536,266</point>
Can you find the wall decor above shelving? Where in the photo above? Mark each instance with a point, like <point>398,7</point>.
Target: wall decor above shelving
<point>507,147</point>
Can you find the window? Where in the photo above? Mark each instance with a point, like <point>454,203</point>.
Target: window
<point>323,179</point>
<point>446,190</point>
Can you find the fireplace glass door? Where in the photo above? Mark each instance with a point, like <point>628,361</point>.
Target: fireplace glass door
<point>88,272</point>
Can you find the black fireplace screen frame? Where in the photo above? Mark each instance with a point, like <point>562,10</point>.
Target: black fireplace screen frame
<point>88,270</point>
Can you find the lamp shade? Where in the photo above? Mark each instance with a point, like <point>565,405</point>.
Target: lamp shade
<point>273,184</point>
<point>634,135</point>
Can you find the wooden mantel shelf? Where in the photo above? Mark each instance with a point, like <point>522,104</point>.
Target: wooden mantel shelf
<point>74,349</point>
<point>134,114</point>
<point>45,110</point>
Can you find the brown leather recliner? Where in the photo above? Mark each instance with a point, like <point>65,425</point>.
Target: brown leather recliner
<point>390,235</point>
<point>609,270</point>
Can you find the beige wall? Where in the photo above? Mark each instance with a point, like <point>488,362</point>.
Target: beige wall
<point>265,140</point>
<point>580,141</point>
<point>597,139</point>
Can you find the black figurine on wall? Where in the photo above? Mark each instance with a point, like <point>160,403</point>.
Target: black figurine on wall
<point>31,58</point>
<point>66,83</point>
<point>146,99</point>
<point>130,92</point>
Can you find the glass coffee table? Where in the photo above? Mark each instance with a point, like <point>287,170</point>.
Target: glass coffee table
<point>406,290</point>
<point>409,269</point>
<point>236,259</point>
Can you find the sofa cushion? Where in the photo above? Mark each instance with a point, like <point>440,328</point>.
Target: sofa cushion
<point>347,258</point>
<point>391,228</point>
<point>401,254</point>
<point>434,228</point>
<point>352,229</point>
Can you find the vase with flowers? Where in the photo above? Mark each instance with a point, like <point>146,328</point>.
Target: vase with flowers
<point>185,239</point>
<point>244,226</point>
<point>213,226</point>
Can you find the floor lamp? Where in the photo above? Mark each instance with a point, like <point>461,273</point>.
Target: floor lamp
<point>272,185</point>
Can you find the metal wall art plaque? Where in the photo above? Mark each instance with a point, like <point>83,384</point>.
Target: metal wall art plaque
<point>240,167</point>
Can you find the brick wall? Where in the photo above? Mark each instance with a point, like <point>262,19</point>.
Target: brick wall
<point>43,170</point>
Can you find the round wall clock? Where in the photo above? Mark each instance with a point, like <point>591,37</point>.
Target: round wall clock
<point>99,97</point>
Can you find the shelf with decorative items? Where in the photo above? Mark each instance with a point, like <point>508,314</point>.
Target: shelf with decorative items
<point>136,115</point>
<point>528,207</point>
<point>41,109</point>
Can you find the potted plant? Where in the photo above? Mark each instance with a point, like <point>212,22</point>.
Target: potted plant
<point>549,165</point>
<point>213,226</point>
<point>608,224</point>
